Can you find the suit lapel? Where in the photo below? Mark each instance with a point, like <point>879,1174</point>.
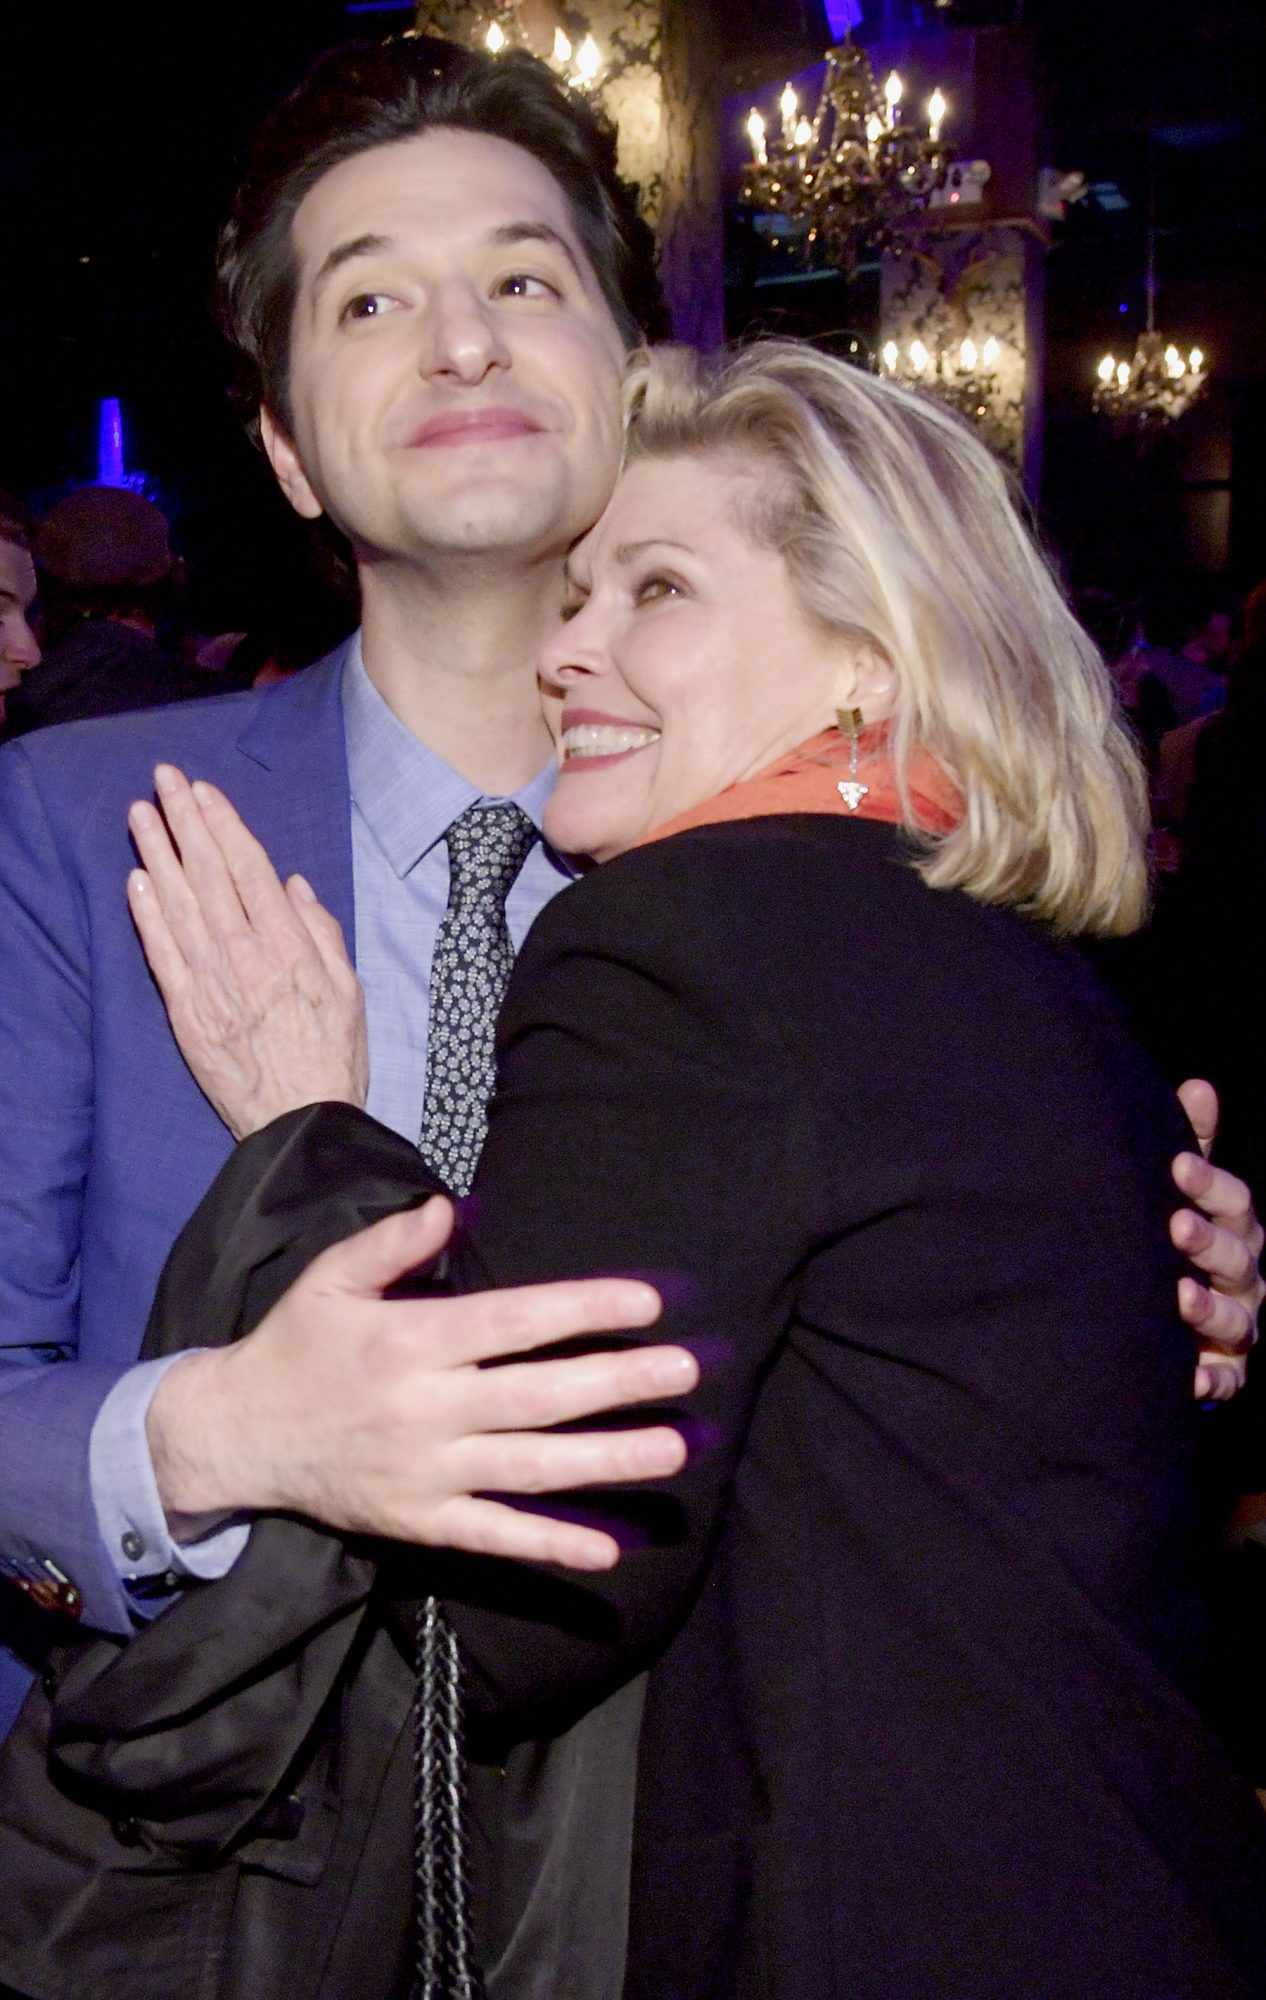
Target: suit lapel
<point>300,803</point>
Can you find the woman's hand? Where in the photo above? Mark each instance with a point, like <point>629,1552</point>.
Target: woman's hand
<point>1222,1236</point>
<point>261,994</point>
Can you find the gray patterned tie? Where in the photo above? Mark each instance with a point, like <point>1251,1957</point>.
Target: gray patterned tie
<point>487,846</point>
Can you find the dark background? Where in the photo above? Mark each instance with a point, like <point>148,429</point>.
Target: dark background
<point>120,130</point>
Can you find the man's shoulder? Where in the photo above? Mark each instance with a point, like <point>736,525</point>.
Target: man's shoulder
<point>114,754</point>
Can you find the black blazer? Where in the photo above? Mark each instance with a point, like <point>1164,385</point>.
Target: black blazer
<point>920,1723</point>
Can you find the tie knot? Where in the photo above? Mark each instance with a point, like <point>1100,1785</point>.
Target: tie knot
<point>487,846</point>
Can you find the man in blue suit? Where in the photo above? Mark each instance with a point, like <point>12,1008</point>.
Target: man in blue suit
<point>453,373</point>
<point>433,277</point>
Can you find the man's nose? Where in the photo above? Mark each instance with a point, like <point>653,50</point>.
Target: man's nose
<point>463,339</point>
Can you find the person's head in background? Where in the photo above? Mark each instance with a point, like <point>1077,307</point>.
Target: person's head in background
<point>424,230</point>
<point>104,552</point>
<point>19,647</point>
<point>905,584</point>
<point>1194,616</point>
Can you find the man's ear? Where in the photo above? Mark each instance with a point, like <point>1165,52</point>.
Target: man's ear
<point>866,681</point>
<point>284,459</point>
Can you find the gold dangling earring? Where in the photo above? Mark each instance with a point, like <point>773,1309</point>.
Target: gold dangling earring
<point>852,793</point>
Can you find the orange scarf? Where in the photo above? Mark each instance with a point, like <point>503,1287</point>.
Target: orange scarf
<point>807,780</point>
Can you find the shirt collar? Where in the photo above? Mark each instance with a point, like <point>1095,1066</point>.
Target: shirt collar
<point>407,796</point>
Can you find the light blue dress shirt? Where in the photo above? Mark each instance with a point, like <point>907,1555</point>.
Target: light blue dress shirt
<point>403,800</point>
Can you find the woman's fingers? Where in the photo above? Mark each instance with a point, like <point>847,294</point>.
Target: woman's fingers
<point>208,879</point>
<point>256,884</point>
<point>165,958</point>
<point>167,879</point>
<point>325,931</point>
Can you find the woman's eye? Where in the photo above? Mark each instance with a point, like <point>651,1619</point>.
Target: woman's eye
<point>369,305</point>
<point>652,588</point>
<point>522,285</point>
<point>572,609</point>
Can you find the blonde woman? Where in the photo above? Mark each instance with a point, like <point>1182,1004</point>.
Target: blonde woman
<point>818,1049</point>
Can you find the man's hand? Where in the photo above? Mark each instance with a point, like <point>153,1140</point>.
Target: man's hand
<point>263,999</point>
<point>374,1416</point>
<point>1225,1242</point>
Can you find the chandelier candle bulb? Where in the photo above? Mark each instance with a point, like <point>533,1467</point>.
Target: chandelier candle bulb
<point>1123,375</point>
<point>968,356</point>
<point>756,133</point>
<point>1107,368</point>
<point>893,88</point>
<point>990,353</point>
<point>803,135</point>
<point>937,108</point>
<point>919,355</point>
<point>588,60</point>
<point>1196,361</point>
<point>891,356</point>
<point>495,39</point>
<point>562,48</point>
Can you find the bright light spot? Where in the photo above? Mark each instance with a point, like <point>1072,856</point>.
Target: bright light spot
<point>937,108</point>
<point>893,88</point>
<point>1123,375</point>
<point>1196,360</point>
<point>804,132</point>
<point>495,39</point>
<point>891,356</point>
<point>588,60</point>
<point>562,47</point>
<point>874,127</point>
<point>788,103</point>
<point>968,356</point>
<point>919,355</point>
<point>1107,368</point>
<point>990,355</point>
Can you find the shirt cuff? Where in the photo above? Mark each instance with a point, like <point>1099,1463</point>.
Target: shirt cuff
<point>125,1495</point>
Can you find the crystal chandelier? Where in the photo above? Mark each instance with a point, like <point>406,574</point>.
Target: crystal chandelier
<point>963,374</point>
<point>1159,383</point>
<point>852,175</point>
<point>575,58</point>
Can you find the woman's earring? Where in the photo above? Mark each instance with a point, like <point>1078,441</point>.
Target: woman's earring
<point>852,793</point>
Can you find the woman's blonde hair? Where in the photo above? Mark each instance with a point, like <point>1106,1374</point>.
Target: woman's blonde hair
<point>899,530</point>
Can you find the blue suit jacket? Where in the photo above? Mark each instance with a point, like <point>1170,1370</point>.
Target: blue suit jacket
<point>106,1142</point>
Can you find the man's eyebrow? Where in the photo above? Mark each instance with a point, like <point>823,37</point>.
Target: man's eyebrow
<point>342,253</point>
<point>510,233</point>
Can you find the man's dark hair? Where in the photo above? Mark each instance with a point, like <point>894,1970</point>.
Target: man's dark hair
<point>369,94</point>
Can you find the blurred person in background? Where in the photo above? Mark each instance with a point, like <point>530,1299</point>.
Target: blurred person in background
<point>19,647</point>
<point>1185,658</point>
<point>107,578</point>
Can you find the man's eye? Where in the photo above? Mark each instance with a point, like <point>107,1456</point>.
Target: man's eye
<point>369,305</point>
<point>572,608</point>
<point>522,285</point>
